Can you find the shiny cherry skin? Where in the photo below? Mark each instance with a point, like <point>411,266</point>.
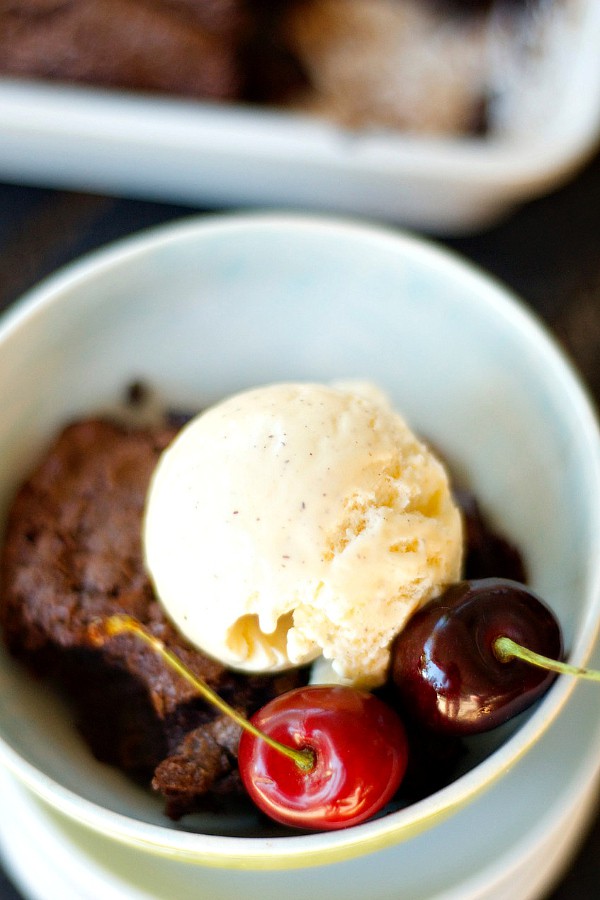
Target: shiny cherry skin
<point>360,756</point>
<point>444,667</point>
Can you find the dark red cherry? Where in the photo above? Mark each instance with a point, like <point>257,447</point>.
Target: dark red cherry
<point>359,751</point>
<point>445,668</point>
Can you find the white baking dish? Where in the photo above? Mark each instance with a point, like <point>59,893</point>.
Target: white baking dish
<point>209,155</point>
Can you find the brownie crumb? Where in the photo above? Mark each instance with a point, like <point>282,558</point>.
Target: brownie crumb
<point>488,554</point>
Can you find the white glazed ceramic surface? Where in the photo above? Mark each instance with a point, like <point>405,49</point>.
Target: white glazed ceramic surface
<point>514,853</point>
<point>207,154</point>
<point>204,307</point>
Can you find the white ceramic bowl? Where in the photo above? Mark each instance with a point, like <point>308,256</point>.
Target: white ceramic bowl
<point>207,306</point>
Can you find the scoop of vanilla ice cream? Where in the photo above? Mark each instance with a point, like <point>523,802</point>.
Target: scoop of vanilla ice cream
<point>296,520</point>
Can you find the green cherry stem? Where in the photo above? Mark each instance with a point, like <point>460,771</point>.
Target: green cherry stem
<point>123,624</point>
<point>506,649</point>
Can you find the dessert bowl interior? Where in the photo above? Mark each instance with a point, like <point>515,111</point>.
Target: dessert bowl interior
<point>205,307</point>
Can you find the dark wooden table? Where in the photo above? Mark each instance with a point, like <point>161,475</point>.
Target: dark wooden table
<point>548,252</point>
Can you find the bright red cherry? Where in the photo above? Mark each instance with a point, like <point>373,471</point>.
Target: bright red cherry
<point>449,669</point>
<point>321,757</point>
<point>359,755</point>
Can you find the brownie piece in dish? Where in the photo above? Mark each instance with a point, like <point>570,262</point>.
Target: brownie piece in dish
<point>72,554</point>
<point>174,46</point>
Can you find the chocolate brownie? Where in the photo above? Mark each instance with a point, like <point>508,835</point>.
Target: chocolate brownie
<point>188,48</point>
<point>419,65</point>
<point>72,554</point>
<point>206,49</point>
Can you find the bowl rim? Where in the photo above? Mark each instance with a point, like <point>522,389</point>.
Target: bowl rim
<point>318,848</point>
